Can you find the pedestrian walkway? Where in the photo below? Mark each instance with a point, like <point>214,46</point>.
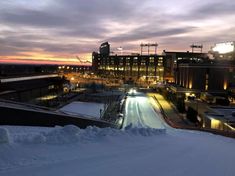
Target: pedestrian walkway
<point>175,120</point>
<point>172,117</point>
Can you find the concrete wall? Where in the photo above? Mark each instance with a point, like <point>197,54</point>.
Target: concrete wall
<point>15,116</point>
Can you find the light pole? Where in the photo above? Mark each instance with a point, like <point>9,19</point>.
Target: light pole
<point>120,49</point>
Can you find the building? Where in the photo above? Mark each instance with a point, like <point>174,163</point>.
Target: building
<point>133,67</point>
<point>195,72</point>
<point>18,70</point>
<point>27,88</point>
<point>174,59</point>
<point>211,72</point>
<point>206,77</point>
<point>221,118</point>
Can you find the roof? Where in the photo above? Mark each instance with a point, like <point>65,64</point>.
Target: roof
<point>25,78</point>
<point>187,53</point>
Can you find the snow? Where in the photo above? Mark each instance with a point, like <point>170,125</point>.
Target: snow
<point>138,149</point>
<point>85,109</point>
<point>139,113</point>
<point>4,135</point>
<point>133,151</point>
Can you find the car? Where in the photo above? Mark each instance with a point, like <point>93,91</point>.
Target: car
<point>132,92</point>
<point>120,115</point>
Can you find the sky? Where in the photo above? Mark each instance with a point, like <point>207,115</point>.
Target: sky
<point>56,31</point>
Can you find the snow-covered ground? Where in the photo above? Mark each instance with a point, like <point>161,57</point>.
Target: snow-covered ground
<point>135,150</point>
<point>85,109</point>
<point>140,114</point>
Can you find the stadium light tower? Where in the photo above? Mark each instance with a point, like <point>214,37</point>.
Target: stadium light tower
<point>223,48</point>
<point>196,48</point>
<point>148,45</point>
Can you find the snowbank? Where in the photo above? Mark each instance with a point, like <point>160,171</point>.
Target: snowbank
<point>132,151</point>
<point>72,134</point>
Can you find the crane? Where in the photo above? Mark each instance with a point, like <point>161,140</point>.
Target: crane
<point>82,61</point>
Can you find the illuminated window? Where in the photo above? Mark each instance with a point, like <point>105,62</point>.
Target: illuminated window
<point>151,60</point>
<point>225,85</point>
<point>215,124</point>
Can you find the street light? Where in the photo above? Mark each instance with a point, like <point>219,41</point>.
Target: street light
<point>120,49</point>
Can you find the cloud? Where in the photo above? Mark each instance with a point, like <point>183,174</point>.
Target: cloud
<point>27,17</point>
<point>68,27</point>
<point>143,33</point>
<point>218,9</point>
<point>207,9</point>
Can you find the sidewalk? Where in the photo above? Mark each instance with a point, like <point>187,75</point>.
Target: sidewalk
<point>175,120</point>
<point>172,117</point>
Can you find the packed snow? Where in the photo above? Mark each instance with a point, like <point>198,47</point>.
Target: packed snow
<point>139,113</point>
<point>4,135</point>
<point>85,109</point>
<point>135,150</point>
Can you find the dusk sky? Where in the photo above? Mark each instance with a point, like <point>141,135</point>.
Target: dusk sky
<point>56,31</point>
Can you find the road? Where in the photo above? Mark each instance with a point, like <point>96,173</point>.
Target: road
<point>139,113</point>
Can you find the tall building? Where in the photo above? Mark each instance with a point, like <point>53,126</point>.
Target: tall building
<point>212,72</point>
<point>133,67</point>
<point>174,59</point>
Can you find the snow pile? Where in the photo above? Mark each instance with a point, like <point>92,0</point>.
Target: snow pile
<point>143,131</point>
<point>107,151</point>
<point>59,135</point>
<point>30,139</point>
<point>72,134</point>
<point>4,136</point>
<point>64,135</point>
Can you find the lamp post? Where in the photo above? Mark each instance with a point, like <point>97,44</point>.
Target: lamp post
<point>120,49</point>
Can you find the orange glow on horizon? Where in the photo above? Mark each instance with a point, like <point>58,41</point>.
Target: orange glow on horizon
<point>45,58</point>
<point>16,61</point>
